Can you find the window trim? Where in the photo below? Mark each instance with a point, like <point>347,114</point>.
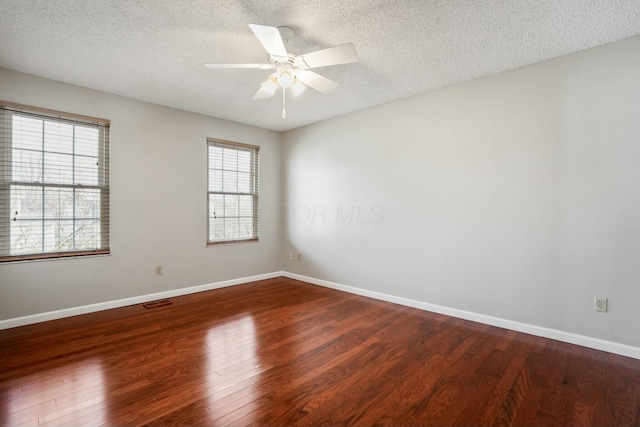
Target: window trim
<point>103,178</point>
<point>256,193</point>
<point>54,113</point>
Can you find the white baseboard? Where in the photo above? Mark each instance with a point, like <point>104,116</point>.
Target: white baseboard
<point>568,337</point>
<point>74,311</point>
<point>595,343</point>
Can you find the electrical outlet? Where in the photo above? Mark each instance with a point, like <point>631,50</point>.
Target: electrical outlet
<point>290,255</point>
<point>158,270</point>
<point>600,304</point>
<point>299,257</point>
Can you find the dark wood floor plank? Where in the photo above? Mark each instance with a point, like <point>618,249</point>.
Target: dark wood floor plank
<point>331,363</point>
<point>284,352</point>
<point>395,399</point>
<point>383,376</point>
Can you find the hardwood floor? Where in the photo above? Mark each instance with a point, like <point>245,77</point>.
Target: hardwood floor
<point>284,352</point>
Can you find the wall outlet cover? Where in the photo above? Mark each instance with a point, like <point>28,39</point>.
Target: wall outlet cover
<point>600,304</point>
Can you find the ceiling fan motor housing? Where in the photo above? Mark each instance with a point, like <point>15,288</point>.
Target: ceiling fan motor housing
<point>287,34</point>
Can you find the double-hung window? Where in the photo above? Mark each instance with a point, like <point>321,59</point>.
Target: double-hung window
<point>54,184</point>
<point>232,192</point>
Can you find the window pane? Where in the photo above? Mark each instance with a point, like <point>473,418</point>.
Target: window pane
<point>26,202</point>
<point>231,229</point>
<point>27,165</point>
<point>244,182</point>
<point>215,180</point>
<point>27,133</point>
<point>58,203</point>
<point>58,168</point>
<point>86,141</point>
<point>216,208</point>
<point>58,235</point>
<point>215,157</point>
<point>246,206</point>
<point>26,237</point>
<point>87,203</point>
<point>229,159</point>
<point>87,234</point>
<point>86,170</point>
<point>216,229</point>
<point>230,182</point>
<point>246,228</point>
<point>230,206</point>
<point>58,137</point>
<point>244,161</point>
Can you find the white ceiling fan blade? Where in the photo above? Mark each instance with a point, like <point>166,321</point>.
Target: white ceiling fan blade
<point>258,66</point>
<point>270,38</point>
<point>316,81</point>
<point>262,93</point>
<point>343,54</point>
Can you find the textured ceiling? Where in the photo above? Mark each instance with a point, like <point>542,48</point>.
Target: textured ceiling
<point>155,50</point>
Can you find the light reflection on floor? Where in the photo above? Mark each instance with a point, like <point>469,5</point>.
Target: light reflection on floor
<point>232,367</point>
<point>73,394</point>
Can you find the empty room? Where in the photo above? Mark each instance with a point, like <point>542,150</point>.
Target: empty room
<point>249,213</point>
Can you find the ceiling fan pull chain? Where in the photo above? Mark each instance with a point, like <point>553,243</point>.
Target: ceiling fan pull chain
<point>284,111</point>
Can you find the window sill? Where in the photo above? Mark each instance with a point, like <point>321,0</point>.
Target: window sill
<point>232,243</point>
<point>51,257</point>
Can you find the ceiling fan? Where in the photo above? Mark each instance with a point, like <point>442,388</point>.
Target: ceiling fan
<point>293,71</point>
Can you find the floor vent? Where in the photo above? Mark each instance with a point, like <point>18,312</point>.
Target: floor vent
<point>159,303</point>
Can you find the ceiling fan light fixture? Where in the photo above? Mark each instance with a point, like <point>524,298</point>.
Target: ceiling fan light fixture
<point>285,78</point>
<point>298,87</point>
<point>270,85</point>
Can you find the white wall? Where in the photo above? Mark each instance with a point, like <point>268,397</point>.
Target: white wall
<point>515,196</point>
<point>158,205</point>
